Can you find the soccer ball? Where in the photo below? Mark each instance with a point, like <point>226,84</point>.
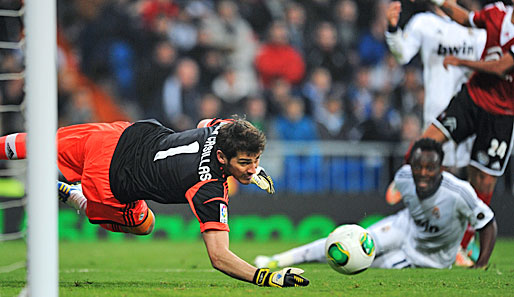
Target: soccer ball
<point>349,249</point>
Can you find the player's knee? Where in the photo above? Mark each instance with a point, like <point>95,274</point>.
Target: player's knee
<point>146,227</point>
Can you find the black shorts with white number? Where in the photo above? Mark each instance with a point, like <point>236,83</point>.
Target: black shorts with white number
<point>493,144</point>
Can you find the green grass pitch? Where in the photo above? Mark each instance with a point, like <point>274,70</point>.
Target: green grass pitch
<point>167,268</point>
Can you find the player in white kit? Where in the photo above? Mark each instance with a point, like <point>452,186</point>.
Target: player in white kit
<point>434,35</point>
<point>427,233</point>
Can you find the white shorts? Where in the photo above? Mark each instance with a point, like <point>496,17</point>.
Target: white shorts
<point>389,235</point>
<point>458,155</point>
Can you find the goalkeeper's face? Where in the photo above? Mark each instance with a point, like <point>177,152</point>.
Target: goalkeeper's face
<point>243,166</point>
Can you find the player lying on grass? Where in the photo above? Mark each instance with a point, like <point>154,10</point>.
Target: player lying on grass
<point>121,164</point>
<point>485,105</point>
<point>427,233</point>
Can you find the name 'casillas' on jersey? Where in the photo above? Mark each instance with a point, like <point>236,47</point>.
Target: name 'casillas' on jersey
<point>152,162</point>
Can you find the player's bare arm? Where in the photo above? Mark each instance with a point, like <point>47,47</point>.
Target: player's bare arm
<point>487,241</point>
<point>222,259</point>
<point>497,67</point>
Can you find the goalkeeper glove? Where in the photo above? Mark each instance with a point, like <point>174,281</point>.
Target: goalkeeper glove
<point>438,2</point>
<point>287,277</point>
<point>263,181</point>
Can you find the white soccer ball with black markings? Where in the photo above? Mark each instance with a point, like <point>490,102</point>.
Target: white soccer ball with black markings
<point>350,249</point>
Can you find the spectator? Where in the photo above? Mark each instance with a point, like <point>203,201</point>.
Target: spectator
<point>387,75</point>
<point>182,31</point>
<point>232,34</point>
<point>405,96</point>
<point>278,59</point>
<point>210,107</point>
<point>181,96</point>
<point>383,123</point>
<point>256,112</point>
<point>296,27</point>
<point>316,90</point>
<point>294,124</point>
<point>152,75</point>
<point>258,15</point>
<point>334,124</point>
<point>411,128</point>
<point>346,14</point>
<point>372,46</point>
<point>328,54</point>
<point>109,46</point>
<point>210,59</point>
<point>277,96</point>
<point>232,87</point>
<point>359,95</point>
<point>152,9</point>
<point>301,173</point>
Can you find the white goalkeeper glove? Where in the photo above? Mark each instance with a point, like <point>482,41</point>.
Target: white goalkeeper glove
<point>263,180</point>
<point>287,277</point>
<point>438,2</point>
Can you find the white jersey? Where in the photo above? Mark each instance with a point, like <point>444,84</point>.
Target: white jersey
<point>436,37</point>
<point>437,223</point>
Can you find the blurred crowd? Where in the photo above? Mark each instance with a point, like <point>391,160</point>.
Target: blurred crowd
<point>298,70</point>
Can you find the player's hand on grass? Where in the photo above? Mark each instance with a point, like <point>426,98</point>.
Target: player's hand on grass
<point>287,277</point>
<point>263,180</point>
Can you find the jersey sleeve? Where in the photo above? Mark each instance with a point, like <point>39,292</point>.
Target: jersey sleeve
<point>477,213</point>
<point>209,203</point>
<point>479,18</point>
<point>404,45</point>
<point>402,179</point>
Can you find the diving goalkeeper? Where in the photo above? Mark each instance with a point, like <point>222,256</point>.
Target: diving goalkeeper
<point>121,164</point>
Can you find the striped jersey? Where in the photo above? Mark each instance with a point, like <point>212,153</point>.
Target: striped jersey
<point>438,222</point>
<point>493,93</point>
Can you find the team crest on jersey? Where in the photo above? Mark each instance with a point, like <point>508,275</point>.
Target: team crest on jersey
<point>436,213</point>
<point>223,213</point>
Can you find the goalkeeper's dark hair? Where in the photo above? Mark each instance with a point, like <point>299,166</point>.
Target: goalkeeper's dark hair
<point>240,135</point>
<point>428,144</point>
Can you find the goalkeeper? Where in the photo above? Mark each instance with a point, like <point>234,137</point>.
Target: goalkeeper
<point>121,164</point>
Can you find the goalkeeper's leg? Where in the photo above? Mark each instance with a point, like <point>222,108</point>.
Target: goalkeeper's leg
<point>311,252</point>
<point>144,229</point>
<point>13,146</point>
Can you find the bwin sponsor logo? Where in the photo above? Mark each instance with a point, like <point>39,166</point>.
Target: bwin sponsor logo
<point>464,49</point>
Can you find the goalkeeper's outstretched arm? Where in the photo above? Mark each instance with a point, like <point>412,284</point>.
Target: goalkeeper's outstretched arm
<point>224,260</point>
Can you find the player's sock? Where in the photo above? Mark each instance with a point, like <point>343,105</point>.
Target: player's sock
<point>311,252</point>
<point>13,146</point>
<point>112,227</point>
<point>72,196</point>
<point>462,259</point>
<point>468,235</point>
